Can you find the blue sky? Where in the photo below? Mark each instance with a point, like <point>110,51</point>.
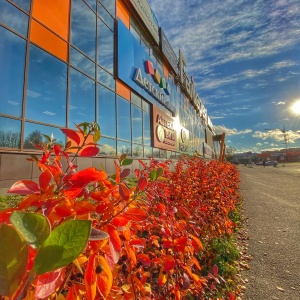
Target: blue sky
<point>245,57</point>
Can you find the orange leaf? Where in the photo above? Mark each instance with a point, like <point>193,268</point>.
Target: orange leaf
<point>90,277</point>
<point>84,207</point>
<point>142,183</point>
<point>45,179</point>
<point>161,208</point>
<point>196,243</point>
<point>162,277</point>
<point>87,176</point>
<point>118,171</point>
<point>136,214</point>
<point>114,237</point>
<point>105,277</point>
<point>89,151</point>
<point>180,243</point>
<point>73,192</point>
<point>72,134</point>
<point>120,221</point>
<point>24,187</point>
<point>169,263</point>
<point>26,202</point>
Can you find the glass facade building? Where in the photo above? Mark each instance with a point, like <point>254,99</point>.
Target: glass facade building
<point>63,62</point>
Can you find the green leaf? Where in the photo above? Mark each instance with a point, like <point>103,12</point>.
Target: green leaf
<point>47,137</point>
<point>127,162</point>
<point>153,174</point>
<point>65,243</point>
<point>35,228</point>
<point>13,259</point>
<point>159,172</point>
<point>96,136</point>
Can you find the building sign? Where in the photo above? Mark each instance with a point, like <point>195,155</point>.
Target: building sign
<point>163,130</point>
<point>145,12</point>
<point>136,69</point>
<point>188,84</point>
<point>168,51</point>
<point>183,139</point>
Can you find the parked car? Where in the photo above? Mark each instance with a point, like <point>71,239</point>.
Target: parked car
<point>271,163</point>
<point>260,163</point>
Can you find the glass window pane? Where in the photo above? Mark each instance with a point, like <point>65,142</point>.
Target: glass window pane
<point>156,153</point>
<point>137,150</point>
<point>46,88</point>
<point>13,18</point>
<point>82,99</point>
<point>82,62</point>
<point>106,111</point>
<point>163,153</point>
<point>124,148</point>
<point>136,124</point>
<point>110,5</point>
<point>135,99</point>
<point>25,4</point>
<point>146,106</point>
<point>108,146</point>
<point>33,134</point>
<point>10,133</point>
<point>134,30</point>
<point>92,4</point>
<point>105,47</point>
<point>147,151</point>
<point>123,121</point>
<point>83,33</point>
<point>147,131</point>
<point>106,17</point>
<point>106,79</point>
<point>12,62</point>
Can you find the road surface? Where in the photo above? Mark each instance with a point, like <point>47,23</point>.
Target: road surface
<point>272,211</point>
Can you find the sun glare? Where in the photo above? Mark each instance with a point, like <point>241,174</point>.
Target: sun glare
<point>296,107</point>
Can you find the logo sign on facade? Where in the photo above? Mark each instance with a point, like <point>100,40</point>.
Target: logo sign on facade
<point>188,84</point>
<point>144,11</point>
<point>183,139</point>
<point>168,51</point>
<point>163,130</point>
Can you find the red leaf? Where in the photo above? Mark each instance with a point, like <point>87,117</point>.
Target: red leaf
<point>89,151</point>
<point>180,243</point>
<point>72,134</point>
<point>47,283</point>
<point>161,207</point>
<point>72,192</point>
<point>45,179</point>
<point>84,207</point>
<point>144,259</point>
<point>124,191</point>
<point>231,296</point>
<point>24,187</point>
<point>169,263</point>
<point>5,215</point>
<point>90,277</point>
<point>118,170</point>
<point>125,173</point>
<point>135,214</point>
<point>142,183</point>
<point>87,176</point>
<point>215,270</point>
<point>120,221</point>
<point>114,237</point>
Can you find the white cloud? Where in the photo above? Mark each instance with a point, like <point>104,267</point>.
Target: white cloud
<point>277,135</point>
<point>231,131</point>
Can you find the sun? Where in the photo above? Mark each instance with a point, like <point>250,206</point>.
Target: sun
<point>296,107</point>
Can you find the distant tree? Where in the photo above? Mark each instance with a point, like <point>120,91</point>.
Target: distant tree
<point>9,139</point>
<point>35,137</point>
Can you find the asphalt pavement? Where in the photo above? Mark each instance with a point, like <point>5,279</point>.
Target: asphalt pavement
<point>272,221</point>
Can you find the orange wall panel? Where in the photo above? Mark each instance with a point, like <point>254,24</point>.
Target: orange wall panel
<point>123,90</point>
<point>123,13</point>
<point>166,72</point>
<point>48,41</point>
<point>54,14</point>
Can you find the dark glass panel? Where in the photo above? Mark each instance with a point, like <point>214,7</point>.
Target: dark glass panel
<point>82,98</point>
<point>108,146</point>
<point>110,5</point>
<point>124,148</point>
<point>147,130</point>
<point>92,4</point>
<point>136,124</point>
<point>134,30</point>
<point>83,33</point>
<point>24,4</point>
<point>147,151</point>
<point>123,120</point>
<point>12,62</point>
<point>163,153</point>
<point>105,47</point>
<point>106,79</point>
<point>46,88</point>
<point>82,63</point>
<point>33,134</point>
<point>106,17</point>
<point>107,111</point>
<point>137,150</point>
<point>156,153</point>
<point>13,18</point>
<point>10,133</point>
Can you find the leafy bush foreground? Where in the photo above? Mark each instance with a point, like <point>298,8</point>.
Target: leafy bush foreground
<point>86,235</point>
